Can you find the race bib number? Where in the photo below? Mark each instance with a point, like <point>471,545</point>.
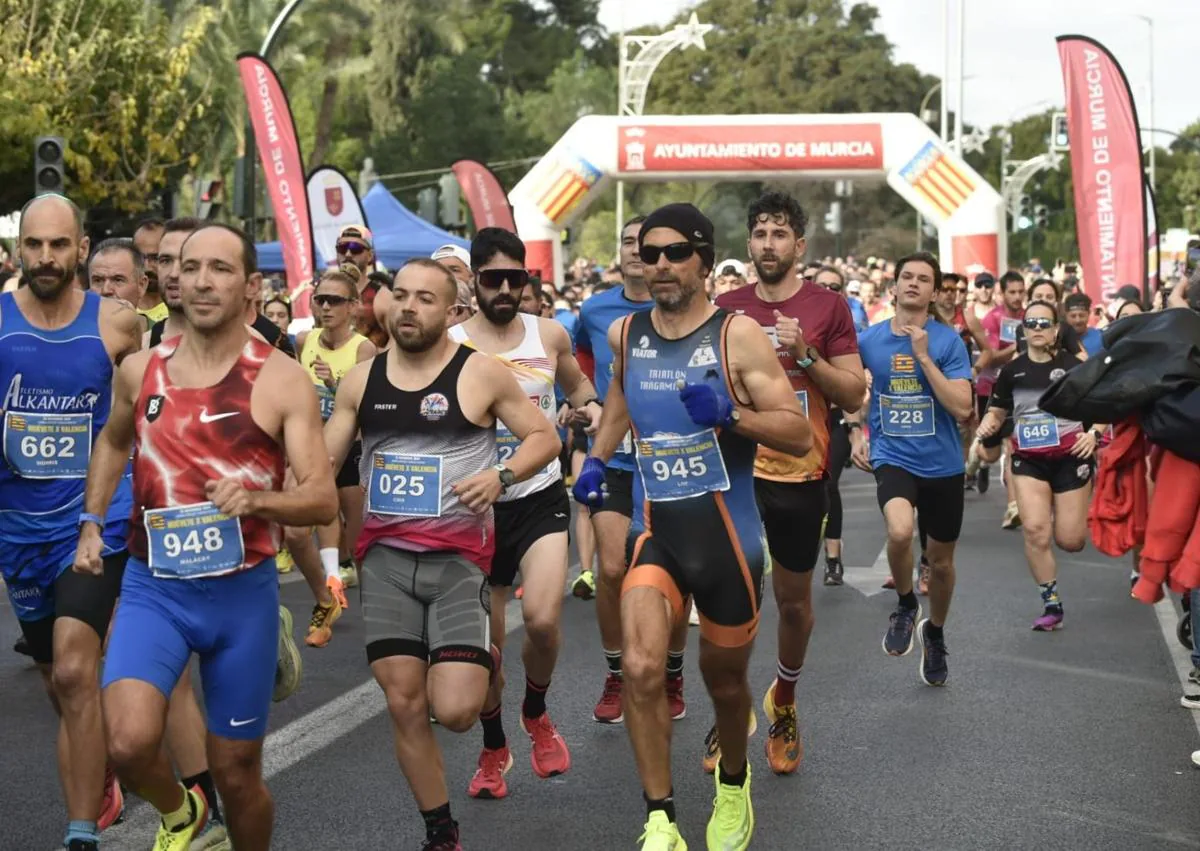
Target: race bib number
<point>681,467</point>
<point>405,485</point>
<point>1037,431</point>
<point>48,446</point>
<point>1008,330</point>
<point>193,541</point>
<point>906,416</point>
<point>507,444</point>
<point>325,396</point>
<point>802,398</point>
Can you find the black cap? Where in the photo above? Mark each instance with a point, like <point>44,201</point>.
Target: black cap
<point>985,279</point>
<point>1130,293</point>
<point>689,221</point>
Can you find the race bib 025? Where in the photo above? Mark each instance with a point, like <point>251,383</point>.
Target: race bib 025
<point>405,485</point>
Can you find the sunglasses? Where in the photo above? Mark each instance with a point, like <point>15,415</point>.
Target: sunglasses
<point>1038,323</point>
<point>676,252</point>
<point>963,289</point>
<point>980,285</point>
<point>330,300</point>
<point>351,248</point>
<point>493,279</point>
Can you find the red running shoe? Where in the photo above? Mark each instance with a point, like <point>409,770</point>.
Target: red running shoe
<point>112,809</point>
<point>488,781</point>
<point>549,755</point>
<point>675,704</point>
<point>608,710</point>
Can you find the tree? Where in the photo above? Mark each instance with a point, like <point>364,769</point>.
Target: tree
<point>130,116</point>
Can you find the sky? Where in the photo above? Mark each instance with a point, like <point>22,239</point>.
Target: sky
<point>1010,53</point>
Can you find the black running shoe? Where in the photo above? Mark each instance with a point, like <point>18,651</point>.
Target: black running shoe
<point>1183,630</point>
<point>446,841</point>
<point>22,647</point>
<point>983,479</point>
<point>83,845</point>
<point>934,670</point>
<point>834,571</point>
<point>898,640</point>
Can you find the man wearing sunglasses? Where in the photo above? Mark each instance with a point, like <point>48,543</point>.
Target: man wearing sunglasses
<point>701,388</point>
<point>532,518</point>
<point>813,335</point>
<point>355,247</point>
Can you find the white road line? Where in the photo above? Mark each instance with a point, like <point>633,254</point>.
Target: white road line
<point>296,741</point>
<point>869,580</point>
<point>1168,618</point>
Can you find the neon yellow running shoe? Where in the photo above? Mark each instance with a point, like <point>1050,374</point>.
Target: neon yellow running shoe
<point>732,822</point>
<point>585,585</point>
<point>284,563</point>
<point>181,838</point>
<point>288,666</point>
<point>661,834</point>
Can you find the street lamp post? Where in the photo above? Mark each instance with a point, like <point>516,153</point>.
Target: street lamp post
<point>1150,23</point>
<point>639,58</point>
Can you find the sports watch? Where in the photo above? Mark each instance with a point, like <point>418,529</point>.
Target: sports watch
<point>507,477</point>
<point>810,357</point>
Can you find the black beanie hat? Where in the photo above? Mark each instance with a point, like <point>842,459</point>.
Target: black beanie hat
<point>685,218</point>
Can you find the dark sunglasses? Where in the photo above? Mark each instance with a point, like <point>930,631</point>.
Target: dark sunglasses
<point>964,289</point>
<point>676,252</point>
<point>1038,323</point>
<point>980,285</point>
<point>493,279</point>
<point>330,300</point>
<point>837,288</point>
<point>351,248</point>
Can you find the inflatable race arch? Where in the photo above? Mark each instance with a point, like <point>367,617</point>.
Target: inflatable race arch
<point>896,147</point>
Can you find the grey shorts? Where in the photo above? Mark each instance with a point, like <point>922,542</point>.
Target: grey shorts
<point>433,606</point>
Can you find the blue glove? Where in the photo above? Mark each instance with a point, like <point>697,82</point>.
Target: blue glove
<point>707,406</point>
<point>589,486</point>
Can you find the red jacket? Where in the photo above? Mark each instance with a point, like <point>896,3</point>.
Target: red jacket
<point>1117,517</point>
<point>1172,551</point>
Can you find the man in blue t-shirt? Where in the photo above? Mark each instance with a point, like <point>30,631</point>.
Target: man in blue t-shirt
<point>1078,308</point>
<point>611,521</point>
<point>920,391</point>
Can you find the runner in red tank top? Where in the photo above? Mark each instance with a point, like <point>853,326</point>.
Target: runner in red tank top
<point>216,415</point>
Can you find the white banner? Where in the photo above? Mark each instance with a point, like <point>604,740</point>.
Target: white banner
<point>333,204</point>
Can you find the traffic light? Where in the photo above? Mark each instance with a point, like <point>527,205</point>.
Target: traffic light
<point>427,205</point>
<point>1041,216</point>
<point>1060,139</point>
<point>48,173</point>
<point>833,219</point>
<point>210,195</point>
<point>450,193</point>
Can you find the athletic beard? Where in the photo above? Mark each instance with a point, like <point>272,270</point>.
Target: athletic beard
<point>504,317</point>
<point>47,292</point>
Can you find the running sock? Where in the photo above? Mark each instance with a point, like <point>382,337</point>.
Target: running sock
<point>1050,594</point>
<point>183,816</point>
<point>85,831</point>
<point>934,632</point>
<point>205,782</point>
<point>907,601</point>
<point>329,561</point>
<point>738,779</point>
<point>438,821</point>
<point>667,805</point>
<point>493,730</point>
<point>613,658</point>
<point>674,663</point>
<point>535,699</point>
<point>785,685</point>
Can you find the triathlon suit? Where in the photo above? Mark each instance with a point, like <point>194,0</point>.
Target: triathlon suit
<point>424,554</point>
<point>339,361</point>
<point>596,316</point>
<point>198,581</point>
<point>57,395</point>
<point>529,510</point>
<point>915,449</point>
<point>792,493</point>
<point>1001,329</point>
<point>703,536</point>
<point>1041,442</point>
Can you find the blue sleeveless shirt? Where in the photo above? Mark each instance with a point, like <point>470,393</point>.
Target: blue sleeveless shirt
<point>57,394</point>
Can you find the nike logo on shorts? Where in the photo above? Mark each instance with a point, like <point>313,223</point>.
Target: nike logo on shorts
<point>556,514</point>
<point>205,418</point>
<point>233,722</point>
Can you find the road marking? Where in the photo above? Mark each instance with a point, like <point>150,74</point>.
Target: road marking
<point>1168,618</point>
<point>869,580</point>
<point>297,740</point>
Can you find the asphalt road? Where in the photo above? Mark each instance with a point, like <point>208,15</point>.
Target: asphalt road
<point>1068,740</point>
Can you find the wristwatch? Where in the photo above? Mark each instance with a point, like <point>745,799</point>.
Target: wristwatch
<point>1097,433</point>
<point>735,417</point>
<point>507,477</point>
<point>810,357</point>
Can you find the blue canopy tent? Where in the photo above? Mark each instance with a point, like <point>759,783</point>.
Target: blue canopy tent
<point>400,234</point>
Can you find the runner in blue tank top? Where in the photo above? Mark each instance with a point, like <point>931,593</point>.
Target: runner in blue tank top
<point>57,350</point>
<point>920,392</point>
<point>701,389</point>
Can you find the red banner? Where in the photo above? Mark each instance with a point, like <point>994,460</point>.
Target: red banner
<point>275,137</point>
<point>749,147</point>
<point>1106,167</point>
<point>485,196</point>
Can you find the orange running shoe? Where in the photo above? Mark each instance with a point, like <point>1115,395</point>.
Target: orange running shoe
<point>488,781</point>
<point>112,809</point>
<point>549,756</point>
<point>784,748</point>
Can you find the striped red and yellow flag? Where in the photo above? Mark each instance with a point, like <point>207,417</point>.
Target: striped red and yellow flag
<point>561,184</point>
<point>938,180</point>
